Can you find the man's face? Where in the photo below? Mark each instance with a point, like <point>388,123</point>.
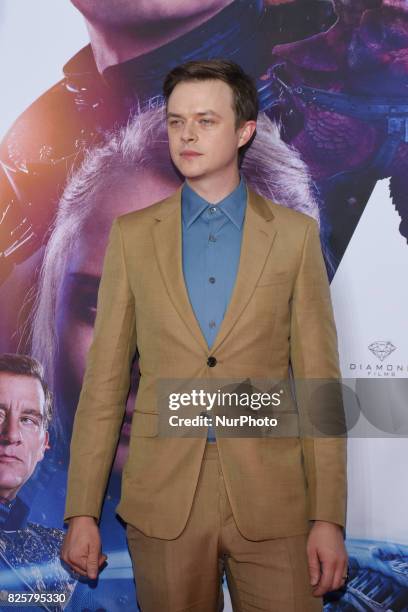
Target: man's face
<point>77,298</point>
<point>137,12</point>
<point>23,438</point>
<point>201,122</point>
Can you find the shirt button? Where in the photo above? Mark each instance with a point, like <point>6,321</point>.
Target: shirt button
<point>212,324</point>
<point>213,210</point>
<point>211,280</point>
<point>211,361</point>
<point>212,238</point>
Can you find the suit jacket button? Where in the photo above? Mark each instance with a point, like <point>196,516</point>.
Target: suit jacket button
<point>211,362</point>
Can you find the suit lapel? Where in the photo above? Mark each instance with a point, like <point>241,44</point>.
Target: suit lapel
<point>258,236</point>
<point>167,237</point>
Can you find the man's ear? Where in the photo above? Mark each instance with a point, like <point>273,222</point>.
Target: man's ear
<point>246,132</point>
<point>44,445</point>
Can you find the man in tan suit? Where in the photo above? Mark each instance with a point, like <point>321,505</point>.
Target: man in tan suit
<point>268,510</point>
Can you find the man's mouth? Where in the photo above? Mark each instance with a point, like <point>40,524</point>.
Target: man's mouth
<point>189,153</point>
<point>9,458</point>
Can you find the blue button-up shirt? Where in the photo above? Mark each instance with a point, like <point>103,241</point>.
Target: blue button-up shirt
<point>212,237</point>
<point>211,249</point>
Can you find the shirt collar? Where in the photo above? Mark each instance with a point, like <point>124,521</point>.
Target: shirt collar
<point>233,205</point>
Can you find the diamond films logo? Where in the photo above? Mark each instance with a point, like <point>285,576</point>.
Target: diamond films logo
<point>382,350</point>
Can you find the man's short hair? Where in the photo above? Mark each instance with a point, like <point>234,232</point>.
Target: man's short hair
<point>245,95</point>
<point>24,365</point>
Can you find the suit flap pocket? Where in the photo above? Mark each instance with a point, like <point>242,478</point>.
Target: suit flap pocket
<point>144,425</point>
<point>274,278</point>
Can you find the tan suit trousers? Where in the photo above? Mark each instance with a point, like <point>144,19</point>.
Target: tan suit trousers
<point>185,574</point>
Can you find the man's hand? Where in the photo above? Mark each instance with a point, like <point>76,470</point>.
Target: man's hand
<point>327,557</point>
<point>81,549</point>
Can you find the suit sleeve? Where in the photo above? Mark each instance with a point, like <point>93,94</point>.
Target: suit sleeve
<point>105,386</point>
<point>317,378</point>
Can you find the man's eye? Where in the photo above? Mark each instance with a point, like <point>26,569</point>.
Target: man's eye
<point>174,122</point>
<point>206,121</point>
<point>29,421</point>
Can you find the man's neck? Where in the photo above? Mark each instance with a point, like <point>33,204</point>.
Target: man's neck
<point>214,189</point>
<point>113,46</point>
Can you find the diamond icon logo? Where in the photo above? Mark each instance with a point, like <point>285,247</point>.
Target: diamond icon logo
<point>382,349</point>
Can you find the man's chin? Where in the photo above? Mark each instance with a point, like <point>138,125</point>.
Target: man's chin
<point>189,169</point>
<point>193,175</point>
<point>9,488</point>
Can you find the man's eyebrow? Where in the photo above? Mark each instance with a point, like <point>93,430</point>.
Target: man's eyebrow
<point>209,112</point>
<point>201,113</point>
<point>33,412</point>
<point>24,411</point>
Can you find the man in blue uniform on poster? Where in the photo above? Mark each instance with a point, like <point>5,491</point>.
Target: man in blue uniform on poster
<point>29,551</point>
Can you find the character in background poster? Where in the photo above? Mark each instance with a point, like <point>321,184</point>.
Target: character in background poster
<point>133,45</point>
<point>29,552</point>
<point>377,578</point>
<point>344,107</point>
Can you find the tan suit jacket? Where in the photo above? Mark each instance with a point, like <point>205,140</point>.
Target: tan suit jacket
<point>280,313</point>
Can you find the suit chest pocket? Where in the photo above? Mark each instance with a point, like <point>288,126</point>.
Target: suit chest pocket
<point>274,277</point>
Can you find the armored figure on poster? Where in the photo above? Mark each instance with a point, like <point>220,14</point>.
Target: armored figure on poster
<point>344,104</point>
<point>25,545</point>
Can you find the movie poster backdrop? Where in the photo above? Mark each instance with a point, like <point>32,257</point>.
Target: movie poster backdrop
<point>333,77</point>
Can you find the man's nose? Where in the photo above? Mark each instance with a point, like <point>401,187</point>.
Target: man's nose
<point>10,431</point>
<point>188,133</point>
